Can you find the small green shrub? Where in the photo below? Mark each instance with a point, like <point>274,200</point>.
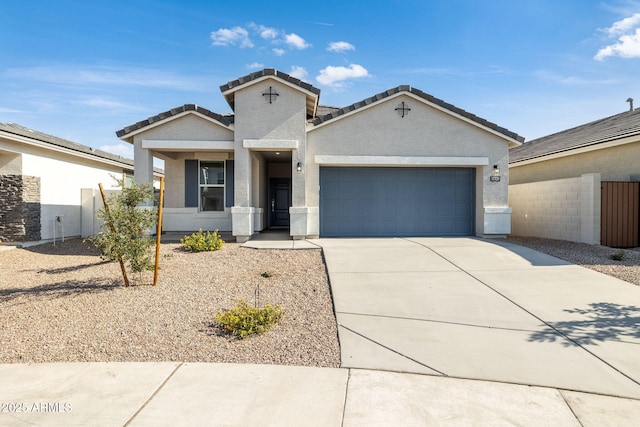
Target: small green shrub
<point>618,256</point>
<point>199,241</point>
<point>266,274</point>
<point>243,320</point>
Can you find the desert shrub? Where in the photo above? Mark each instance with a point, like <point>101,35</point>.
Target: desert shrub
<point>199,241</point>
<point>618,256</point>
<point>243,320</point>
<point>125,232</point>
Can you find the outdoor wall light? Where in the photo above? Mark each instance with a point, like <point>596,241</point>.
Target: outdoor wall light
<point>495,176</point>
<point>299,167</point>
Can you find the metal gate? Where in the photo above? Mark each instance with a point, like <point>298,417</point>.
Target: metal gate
<point>620,214</point>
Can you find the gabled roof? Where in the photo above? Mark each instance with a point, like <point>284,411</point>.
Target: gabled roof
<point>225,120</point>
<point>425,96</point>
<point>313,93</point>
<point>609,129</point>
<point>60,144</point>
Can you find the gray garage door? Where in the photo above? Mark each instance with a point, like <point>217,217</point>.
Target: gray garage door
<point>367,202</point>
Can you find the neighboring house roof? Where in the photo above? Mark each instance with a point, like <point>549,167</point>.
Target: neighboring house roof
<point>225,120</point>
<point>50,141</point>
<point>613,128</point>
<point>420,94</point>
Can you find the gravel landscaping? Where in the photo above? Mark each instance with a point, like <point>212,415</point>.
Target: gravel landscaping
<point>63,303</point>
<point>595,257</point>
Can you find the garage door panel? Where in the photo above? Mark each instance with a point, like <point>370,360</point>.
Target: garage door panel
<point>396,201</point>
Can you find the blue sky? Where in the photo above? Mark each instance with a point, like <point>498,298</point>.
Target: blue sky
<point>81,70</point>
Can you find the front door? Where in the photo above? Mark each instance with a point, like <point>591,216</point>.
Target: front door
<point>280,201</point>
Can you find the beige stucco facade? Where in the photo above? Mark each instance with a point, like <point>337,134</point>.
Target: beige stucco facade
<point>273,137</point>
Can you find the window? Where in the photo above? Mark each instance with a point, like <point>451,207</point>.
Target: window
<point>212,186</point>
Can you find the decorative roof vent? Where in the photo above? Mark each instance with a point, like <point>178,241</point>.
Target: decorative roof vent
<point>630,101</point>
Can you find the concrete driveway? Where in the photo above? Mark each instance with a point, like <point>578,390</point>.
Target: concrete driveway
<point>483,309</point>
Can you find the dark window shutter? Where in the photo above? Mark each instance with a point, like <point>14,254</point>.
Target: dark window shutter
<point>191,183</point>
<point>229,183</point>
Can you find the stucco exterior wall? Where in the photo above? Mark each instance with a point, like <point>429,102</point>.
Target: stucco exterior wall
<point>273,125</point>
<point>613,164</point>
<point>10,163</point>
<point>424,132</point>
<point>62,178</point>
<point>564,209</point>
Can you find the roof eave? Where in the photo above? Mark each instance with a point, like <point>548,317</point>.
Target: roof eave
<point>512,138</point>
<point>127,133</point>
<point>92,154</point>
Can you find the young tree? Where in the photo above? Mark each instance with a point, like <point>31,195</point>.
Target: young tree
<point>125,234</point>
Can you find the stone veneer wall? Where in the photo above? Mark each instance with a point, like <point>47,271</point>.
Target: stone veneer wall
<point>19,208</point>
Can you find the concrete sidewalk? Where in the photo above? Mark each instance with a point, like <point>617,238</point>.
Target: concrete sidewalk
<point>176,394</point>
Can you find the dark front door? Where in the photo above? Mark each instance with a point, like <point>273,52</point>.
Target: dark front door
<point>280,201</point>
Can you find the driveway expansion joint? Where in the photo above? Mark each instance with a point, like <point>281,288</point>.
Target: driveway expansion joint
<point>153,395</point>
<point>392,350</point>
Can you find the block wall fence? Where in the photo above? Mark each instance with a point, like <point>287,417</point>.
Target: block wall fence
<point>563,209</point>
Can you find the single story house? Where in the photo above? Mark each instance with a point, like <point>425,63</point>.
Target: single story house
<point>580,184</point>
<point>42,178</point>
<point>400,163</point>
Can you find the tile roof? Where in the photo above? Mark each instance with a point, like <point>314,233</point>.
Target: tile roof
<point>322,113</point>
<point>16,129</point>
<point>269,72</point>
<point>406,88</point>
<point>611,128</point>
<point>224,119</point>
<point>228,88</point>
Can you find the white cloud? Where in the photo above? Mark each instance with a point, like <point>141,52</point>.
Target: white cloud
<point>124,150</point>
<point>624,25</point>
<point>628,45</point>
<point>298,72</point>
<point>278,51</point>
<point>340,47</point>
<point>335,76</point>
<point>265,32</point>
<point>296,42</point>
<point>255,66</point>
<point>231,37</point>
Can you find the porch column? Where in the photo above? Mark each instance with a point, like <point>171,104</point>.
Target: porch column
<point>241,211</point>
<point>303,219</point>
<point>143,165</point>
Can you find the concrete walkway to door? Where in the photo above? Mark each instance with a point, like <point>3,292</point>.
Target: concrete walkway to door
<point>483,309</point>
